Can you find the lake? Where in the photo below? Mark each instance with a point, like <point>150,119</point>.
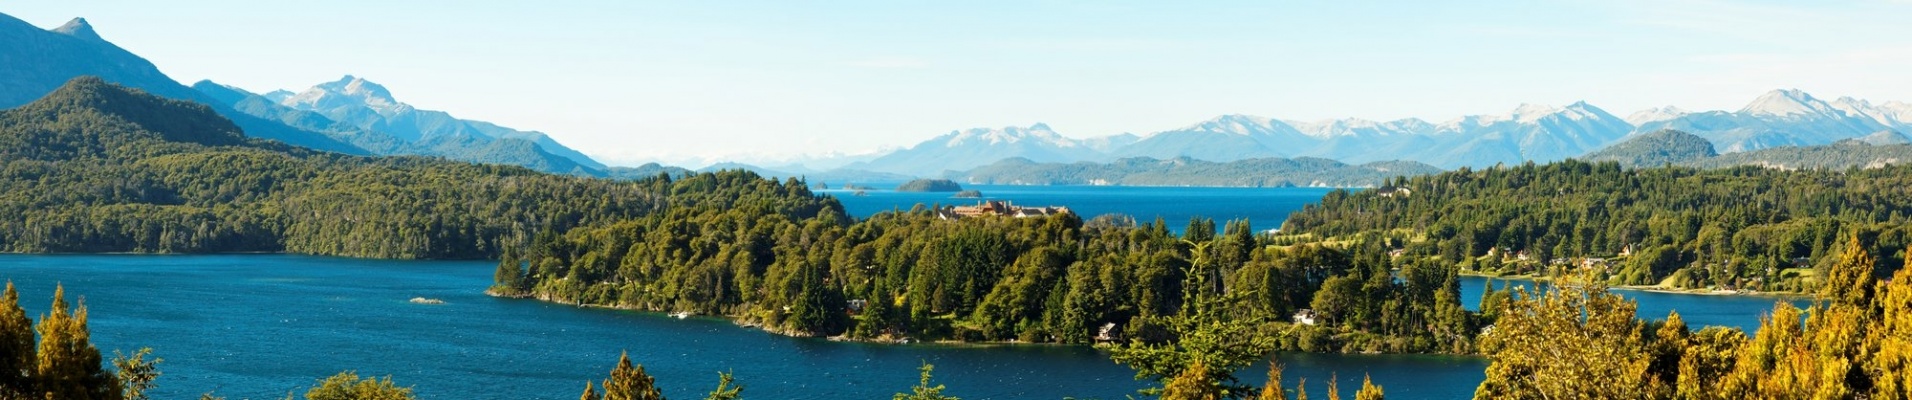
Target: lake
<point>259,326</point>
<point>1264,208</point>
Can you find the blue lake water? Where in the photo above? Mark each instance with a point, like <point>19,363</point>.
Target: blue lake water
<point>259,326</point>
<point>1264,208</point>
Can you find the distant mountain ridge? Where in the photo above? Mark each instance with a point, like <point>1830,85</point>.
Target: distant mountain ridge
<point>1788,118</point>
<point>1685,149</point>
<point>351,116</point>
<point>1184,171</point>
<point>34,62</point>
<point>965,149</point>
<point>366,115</point>
<point>1528,133</point>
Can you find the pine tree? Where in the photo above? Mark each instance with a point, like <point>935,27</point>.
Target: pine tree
<point>347,386</point>
<point>629,382</point>
<point>1192,384</point>
<point>727,388</point>
<point>135,373</point>
<point>1273,391</point>
<point>68,366</point>
<point>1369,391</point>
<point>590,393</point>
<point>1849,281</point>
<point>922,390</point>
<point>16,344</point>
<point>510,279</point>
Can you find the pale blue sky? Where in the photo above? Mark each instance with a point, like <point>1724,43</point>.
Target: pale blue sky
<point>632,80</point>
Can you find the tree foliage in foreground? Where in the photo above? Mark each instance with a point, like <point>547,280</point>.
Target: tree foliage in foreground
<point>63,364</point>
<point>1578,341</point>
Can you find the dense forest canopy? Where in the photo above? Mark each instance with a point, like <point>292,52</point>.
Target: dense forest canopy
<point>1731,229</point>
<point>95,167</point>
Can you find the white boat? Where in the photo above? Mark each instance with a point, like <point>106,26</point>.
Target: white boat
<point>681,314</point>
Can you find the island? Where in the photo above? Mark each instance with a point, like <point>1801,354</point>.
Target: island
<point>930,185</point>
<point>968,194</point>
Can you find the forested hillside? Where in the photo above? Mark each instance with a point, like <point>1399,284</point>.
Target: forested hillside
<point>1740,228</point>
<point>95,167</point>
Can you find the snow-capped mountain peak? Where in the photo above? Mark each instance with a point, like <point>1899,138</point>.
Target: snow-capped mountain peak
<point>1896,110</point>
<point>1652,115</point>
<point>1236,124</point>
<point>1787,102</point>
<point>345,92</point>
<point>1039,133</point>
<point>1531,112</point>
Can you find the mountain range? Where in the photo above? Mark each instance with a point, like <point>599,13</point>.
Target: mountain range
<point>1184,171</point>
<point>351,116</point>
<point>1535,133</point>
<point>1673,147</point>
<point>365,114</point>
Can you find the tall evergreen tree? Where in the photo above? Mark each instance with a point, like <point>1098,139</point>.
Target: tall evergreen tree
<point>590,393</point>
<point>1849,281</point>
<point>922,390</point>
<point>16,345</point>
<point>1273,390</point>
<point>629,382</point>
<point>68,366</point>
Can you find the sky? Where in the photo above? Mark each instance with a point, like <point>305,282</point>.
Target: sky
<point>689,82</point>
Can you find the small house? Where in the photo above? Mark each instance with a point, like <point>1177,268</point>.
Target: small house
<point>1305,316</point>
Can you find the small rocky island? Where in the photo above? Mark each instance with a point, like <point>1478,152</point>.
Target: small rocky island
<point>968,194</point>
<point>930,185</point>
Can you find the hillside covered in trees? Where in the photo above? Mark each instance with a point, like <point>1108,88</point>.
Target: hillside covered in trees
<point>95,167</point>
<point>1673,147</point>
<point>1730,229</point>
<point>1054,279</point>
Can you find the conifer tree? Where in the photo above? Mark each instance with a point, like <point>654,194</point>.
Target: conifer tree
<point>1273,390</point>
<point>727,388</point>
<point>1849,281</point>
<point>68,366</point>
<point>922,390</point>
<point>590,393</point>
<point>1192,384</point>
<point>629,382</point>
<point>16,345</point>
<point>347,386</point>
<point>135,373</point>
<point>510,276</point>
<point>1369,391</point>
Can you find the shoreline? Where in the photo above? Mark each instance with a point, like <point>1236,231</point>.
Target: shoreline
<point>739,322</point>
<point>1646,288</point>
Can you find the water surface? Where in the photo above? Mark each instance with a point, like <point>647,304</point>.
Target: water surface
<point>257,326</point>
